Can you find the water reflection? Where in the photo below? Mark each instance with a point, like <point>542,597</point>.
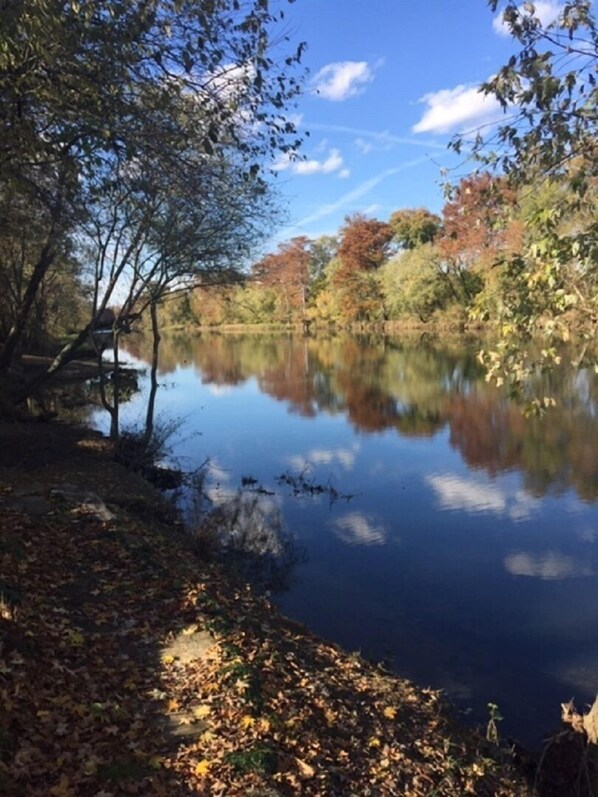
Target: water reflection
<point>245,527</point>
<point>466,555</point>
<point>467,494</point>
<point>356,528</point>
<point>323,456</point>
<point>381,384</point>
<point>546,565</point>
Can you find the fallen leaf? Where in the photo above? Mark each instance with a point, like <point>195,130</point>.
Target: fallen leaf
<point>202,768</point>
<point>305,770</point>
<point>201,712</point>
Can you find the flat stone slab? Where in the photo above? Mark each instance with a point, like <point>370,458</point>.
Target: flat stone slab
<point>188,646</point>
<point>84,500</point>
<point>182,724</point>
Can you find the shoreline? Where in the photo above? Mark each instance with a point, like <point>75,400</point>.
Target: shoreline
<point>238,697</point>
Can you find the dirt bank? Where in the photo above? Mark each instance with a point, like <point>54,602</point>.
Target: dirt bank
<point>129,666</point>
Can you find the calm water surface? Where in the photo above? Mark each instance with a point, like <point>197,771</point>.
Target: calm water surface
<point>467,557</point>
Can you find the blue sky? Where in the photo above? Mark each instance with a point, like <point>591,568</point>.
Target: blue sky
<point>391,81</point>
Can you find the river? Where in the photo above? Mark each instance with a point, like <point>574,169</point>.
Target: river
<point>424,520</point>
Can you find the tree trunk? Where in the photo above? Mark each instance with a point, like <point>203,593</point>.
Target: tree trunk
<point>151,404</point>
<point>18,326</point>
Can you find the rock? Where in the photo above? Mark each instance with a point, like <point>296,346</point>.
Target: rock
<point>85,500</point>
<point>182,724</point>
<point>188,647</point>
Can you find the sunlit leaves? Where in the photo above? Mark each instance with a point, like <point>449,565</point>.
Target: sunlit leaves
<point>548,137</point>
<point>268,707</point>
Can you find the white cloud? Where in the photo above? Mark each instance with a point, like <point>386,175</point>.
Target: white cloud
<point>358,529</point>
<point>458,109</point>
<point>461,494</point>
<point>547,12</point>
<point>332,163</point>
<point>342,80</point>
<point>344,173</point>
<point>547,566</point>
<point>295,119</point>
<point>290,161</point>
<point>365,146</point>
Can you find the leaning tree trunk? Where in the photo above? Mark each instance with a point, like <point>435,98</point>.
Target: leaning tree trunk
<point>19,323</point>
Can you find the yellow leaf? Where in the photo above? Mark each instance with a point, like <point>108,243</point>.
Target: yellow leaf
<point>390,712</point>
<point>76,639</point>
<point>373,742</point>
<point>173,705</point>
<point>167,659</point>
<point>305,770</point>
<point>247,721</point>
<point>207,737</point>
<point>191,629</point>
<point>201,712</point>
<point>202,768</point>
<point>264,725</point>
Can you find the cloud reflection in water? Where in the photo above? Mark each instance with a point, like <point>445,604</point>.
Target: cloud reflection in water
<point>345,457</point>
<point>356,528</point>
<point>459,493</point>
<point>549,565</point>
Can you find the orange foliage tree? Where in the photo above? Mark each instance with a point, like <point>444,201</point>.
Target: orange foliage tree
<point>476,232</point>
<point>364,246</point>
<point>287,271</point>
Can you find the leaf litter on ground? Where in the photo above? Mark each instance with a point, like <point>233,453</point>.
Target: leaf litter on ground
<point>92,705</point>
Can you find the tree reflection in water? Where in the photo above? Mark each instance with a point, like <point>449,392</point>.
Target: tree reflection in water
<point>246,529</point>
<point>417,387</point>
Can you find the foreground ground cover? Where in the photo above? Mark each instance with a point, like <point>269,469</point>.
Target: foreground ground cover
<point>130,666</point>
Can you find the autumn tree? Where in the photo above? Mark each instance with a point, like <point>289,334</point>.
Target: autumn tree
<point>414,227</point>
<point>550,93</point>
<point>478,230</point>
<point>287,272</point>
<point>363,248</point>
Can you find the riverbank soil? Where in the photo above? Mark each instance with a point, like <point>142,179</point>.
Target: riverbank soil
<point>128,666</point>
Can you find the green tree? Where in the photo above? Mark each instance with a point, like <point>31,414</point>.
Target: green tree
<point>92,92</point>
<point>414,227</point>
<point>414,285</point>
<point>550,92</point>
<point>321,253</point>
